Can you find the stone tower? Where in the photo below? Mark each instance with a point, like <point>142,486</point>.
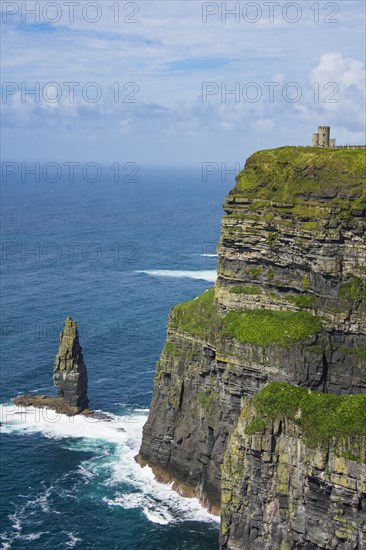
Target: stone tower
<point>315,140</point>
<point>69,371</point>
<point>324,133</point>
<point>321,138</point>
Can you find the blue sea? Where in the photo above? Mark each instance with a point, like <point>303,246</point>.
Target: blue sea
<point>115,257</point>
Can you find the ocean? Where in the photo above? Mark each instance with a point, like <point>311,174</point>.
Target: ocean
<point>115,257</point>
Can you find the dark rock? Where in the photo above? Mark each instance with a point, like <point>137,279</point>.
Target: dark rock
<point>70,376</point>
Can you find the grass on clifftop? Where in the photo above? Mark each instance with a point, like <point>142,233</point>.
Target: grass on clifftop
<point>321,416</point>
<point>291,174</point>
<point>259,327</point>
<point>198,316</point>
<point>264,327</point>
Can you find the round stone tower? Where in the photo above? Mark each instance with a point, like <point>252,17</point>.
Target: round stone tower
<point>324,132</point>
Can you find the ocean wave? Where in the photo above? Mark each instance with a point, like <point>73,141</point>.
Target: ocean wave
<point>73,540</point>
<point>8,541</point>
<point>86,473</point>
<point>19,522</point>
<point>58,426</point>
<point>207,275</point>
<point>158,516</point>
<point>116,444</point>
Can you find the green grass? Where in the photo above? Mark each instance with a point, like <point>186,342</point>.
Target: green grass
<point>288,174</point>
<point>199,316</point>
<point>265,327</point>
<point>353,290</point>
<point>260,327</point>
<point>254,272</point>
<point>321,416</point>
<point>245,289</point>
<point>255,426</point>
<point>311,226</point>
<point>206,399</point>
<point>171,349</point>
<point>301,300</point>
<point>305,282</point>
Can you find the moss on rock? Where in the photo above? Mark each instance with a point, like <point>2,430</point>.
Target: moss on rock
<point>295,174</point>
<point>321,416</point>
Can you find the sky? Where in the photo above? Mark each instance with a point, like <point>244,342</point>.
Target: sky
<point>178,82</point>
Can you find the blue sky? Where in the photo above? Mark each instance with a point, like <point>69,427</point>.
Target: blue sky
<point>162,56</point>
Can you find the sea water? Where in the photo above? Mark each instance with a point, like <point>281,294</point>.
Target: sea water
<point>116,258</point>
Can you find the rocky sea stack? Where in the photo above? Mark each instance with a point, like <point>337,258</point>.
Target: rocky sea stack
<point>69,371</point>
<point>259,404</point>
<point>69,375</point>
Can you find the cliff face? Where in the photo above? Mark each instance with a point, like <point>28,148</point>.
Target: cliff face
<point>288,306</point>
<point>289,479</point>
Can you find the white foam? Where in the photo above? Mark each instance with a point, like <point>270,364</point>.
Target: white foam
<point>73,539</point>
<point>158,501</point>
<point>209,255</point>
<point>132,500</point>
<point>86,473</point>
<point>16,527</point>
<point>207,275</point>
<point>32,420</point>
<point>162,517</point>
<point>33,536</point>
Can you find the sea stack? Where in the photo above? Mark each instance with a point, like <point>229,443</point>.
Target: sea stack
<point>69,371</point>
<point>69,376</point>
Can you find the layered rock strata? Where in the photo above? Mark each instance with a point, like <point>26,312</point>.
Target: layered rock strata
<point>288,306</point>
<point>288,481</point>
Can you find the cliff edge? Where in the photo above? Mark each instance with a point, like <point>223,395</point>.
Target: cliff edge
<point>288,309</point>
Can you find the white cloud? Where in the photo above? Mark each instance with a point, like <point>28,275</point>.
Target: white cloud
<point>170,53</point>
<point>335,67</point>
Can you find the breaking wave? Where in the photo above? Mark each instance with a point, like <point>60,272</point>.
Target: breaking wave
<point>207,275</point>
<point>112,470</point>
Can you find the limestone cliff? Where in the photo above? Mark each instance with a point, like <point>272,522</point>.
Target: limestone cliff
<point>288,306</point>
<point>292,476</point>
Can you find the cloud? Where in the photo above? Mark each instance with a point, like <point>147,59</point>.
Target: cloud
<point>170,53</point>
<point>342,80</point>
<point>335,67</point>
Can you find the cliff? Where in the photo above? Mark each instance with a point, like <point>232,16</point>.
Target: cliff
<point>288,306</point>
<point>293,477</point>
